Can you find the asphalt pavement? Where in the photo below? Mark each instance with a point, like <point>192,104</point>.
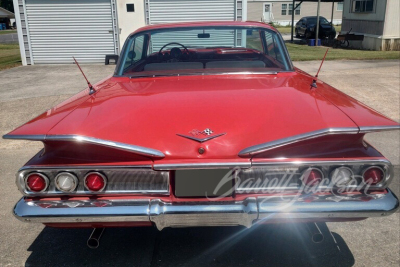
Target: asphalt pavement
<point>9,38</point>
<point>25,92</point>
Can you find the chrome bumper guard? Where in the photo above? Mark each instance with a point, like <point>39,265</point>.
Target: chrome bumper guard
<point>187,214</point>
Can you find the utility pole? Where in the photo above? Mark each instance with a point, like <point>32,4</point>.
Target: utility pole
<point>317,29</point>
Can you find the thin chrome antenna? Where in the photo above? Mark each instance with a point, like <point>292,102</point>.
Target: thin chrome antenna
<point>91,89</point>
<point>314,82</point>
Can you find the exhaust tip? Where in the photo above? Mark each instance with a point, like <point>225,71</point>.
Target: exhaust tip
<point>94,239</point>
<point>317,238</point>
<point>93,243</point>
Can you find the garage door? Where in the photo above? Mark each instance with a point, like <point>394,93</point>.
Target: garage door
<point>60,29</point>
<point>167,11</point>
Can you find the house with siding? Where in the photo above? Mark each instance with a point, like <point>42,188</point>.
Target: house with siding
<point>280,12</point>
<point>377,20</point>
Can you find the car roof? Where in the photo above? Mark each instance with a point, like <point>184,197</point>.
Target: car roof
<point>312,17</point>
<point>204,24</point>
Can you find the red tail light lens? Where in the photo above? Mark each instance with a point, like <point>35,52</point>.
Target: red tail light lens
<point>312,177</point>
<point>95,182</point>
<point>373,175</point>
<point>36,182</point>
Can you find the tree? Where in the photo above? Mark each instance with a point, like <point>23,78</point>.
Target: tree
<point>7,4</point>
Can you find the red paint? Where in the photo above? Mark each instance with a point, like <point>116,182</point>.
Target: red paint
<point>251,109</point>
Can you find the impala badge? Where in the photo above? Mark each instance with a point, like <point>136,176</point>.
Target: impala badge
<point>196,134</point>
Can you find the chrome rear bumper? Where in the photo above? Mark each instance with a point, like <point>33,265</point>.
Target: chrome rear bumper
<point>208,213</point>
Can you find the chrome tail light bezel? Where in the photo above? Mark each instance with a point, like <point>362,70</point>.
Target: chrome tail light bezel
<point>327,167</point>
<point>119,180</point>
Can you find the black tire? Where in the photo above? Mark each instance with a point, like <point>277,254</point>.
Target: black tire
<point>297,34</point>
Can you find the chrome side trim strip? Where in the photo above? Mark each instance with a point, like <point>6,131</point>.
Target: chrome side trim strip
<point>294,139</point>
<point>324,162</point>
<point>88,167</point>
<point>38,137</point>
<point>369,129</point>
<point>208,213</point>
<point>91,140</point>
<point>211,165</point>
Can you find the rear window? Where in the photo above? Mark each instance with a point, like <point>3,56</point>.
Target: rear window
<point>203,50</point>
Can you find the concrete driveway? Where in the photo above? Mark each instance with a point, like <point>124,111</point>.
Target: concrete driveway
<point>25,92</point>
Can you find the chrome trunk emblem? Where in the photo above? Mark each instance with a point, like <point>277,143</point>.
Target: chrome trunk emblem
<point>196,133</point>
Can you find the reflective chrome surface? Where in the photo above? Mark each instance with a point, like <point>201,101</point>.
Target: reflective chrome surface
<point>294,139</point>
<point>209,165</point>
<point>200,140</point>
<point>120,180</point>
<point>289,173</point>
<point>91,140</point>
<point>214,213</point>
<point>369,129</point>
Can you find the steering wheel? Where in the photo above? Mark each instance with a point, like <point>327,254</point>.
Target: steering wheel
<point>184,47</point>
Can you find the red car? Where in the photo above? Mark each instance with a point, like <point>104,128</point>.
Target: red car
<point>205,124</point>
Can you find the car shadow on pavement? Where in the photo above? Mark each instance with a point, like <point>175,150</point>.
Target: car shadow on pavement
<point>262,245</point>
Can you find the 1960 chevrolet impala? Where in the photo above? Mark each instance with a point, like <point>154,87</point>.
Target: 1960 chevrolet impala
<point>204,124</point>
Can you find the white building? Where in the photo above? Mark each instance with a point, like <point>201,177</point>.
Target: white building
<point>280,11</point>
<point>52,31</point>
<point>377,20</point>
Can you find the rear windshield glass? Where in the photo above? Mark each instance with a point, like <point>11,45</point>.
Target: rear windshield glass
<point>203,50</point>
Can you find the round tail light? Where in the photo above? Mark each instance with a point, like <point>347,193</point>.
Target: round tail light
<point>95,182</point>
<point>342,176</point>
<point>66,182</point>
<point>312,176</point>
<point>373,175</point>
<point>36,182</point>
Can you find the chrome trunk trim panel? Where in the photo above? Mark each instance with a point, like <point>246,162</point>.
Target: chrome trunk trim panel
<point>208,213</point>
<point>210,165</point>
<point>296,138</point>
<point>91,140</point>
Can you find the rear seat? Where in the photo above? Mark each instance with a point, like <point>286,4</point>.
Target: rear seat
<point>235,64</point>
<point>173,66</point>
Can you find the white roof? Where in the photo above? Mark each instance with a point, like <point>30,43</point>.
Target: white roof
<point>4,13</point>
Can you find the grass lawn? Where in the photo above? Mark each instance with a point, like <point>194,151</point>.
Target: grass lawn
<point>9,56</point>
<point>8,31</point>
<point>304,52</point>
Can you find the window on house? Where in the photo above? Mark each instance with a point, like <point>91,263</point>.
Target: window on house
<point>287,9</point>
<point>339,6</point>
<point>362,6</point>
<point>297,11</point>
<point>284,9</point>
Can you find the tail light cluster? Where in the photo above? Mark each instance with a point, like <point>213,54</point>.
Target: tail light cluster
<point>118,180</point>
<point>374,174</point>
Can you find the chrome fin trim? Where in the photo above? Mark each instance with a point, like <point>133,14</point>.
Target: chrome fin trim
<point>369,129</point>
<point>296,138</point>
<point>91,140</point>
